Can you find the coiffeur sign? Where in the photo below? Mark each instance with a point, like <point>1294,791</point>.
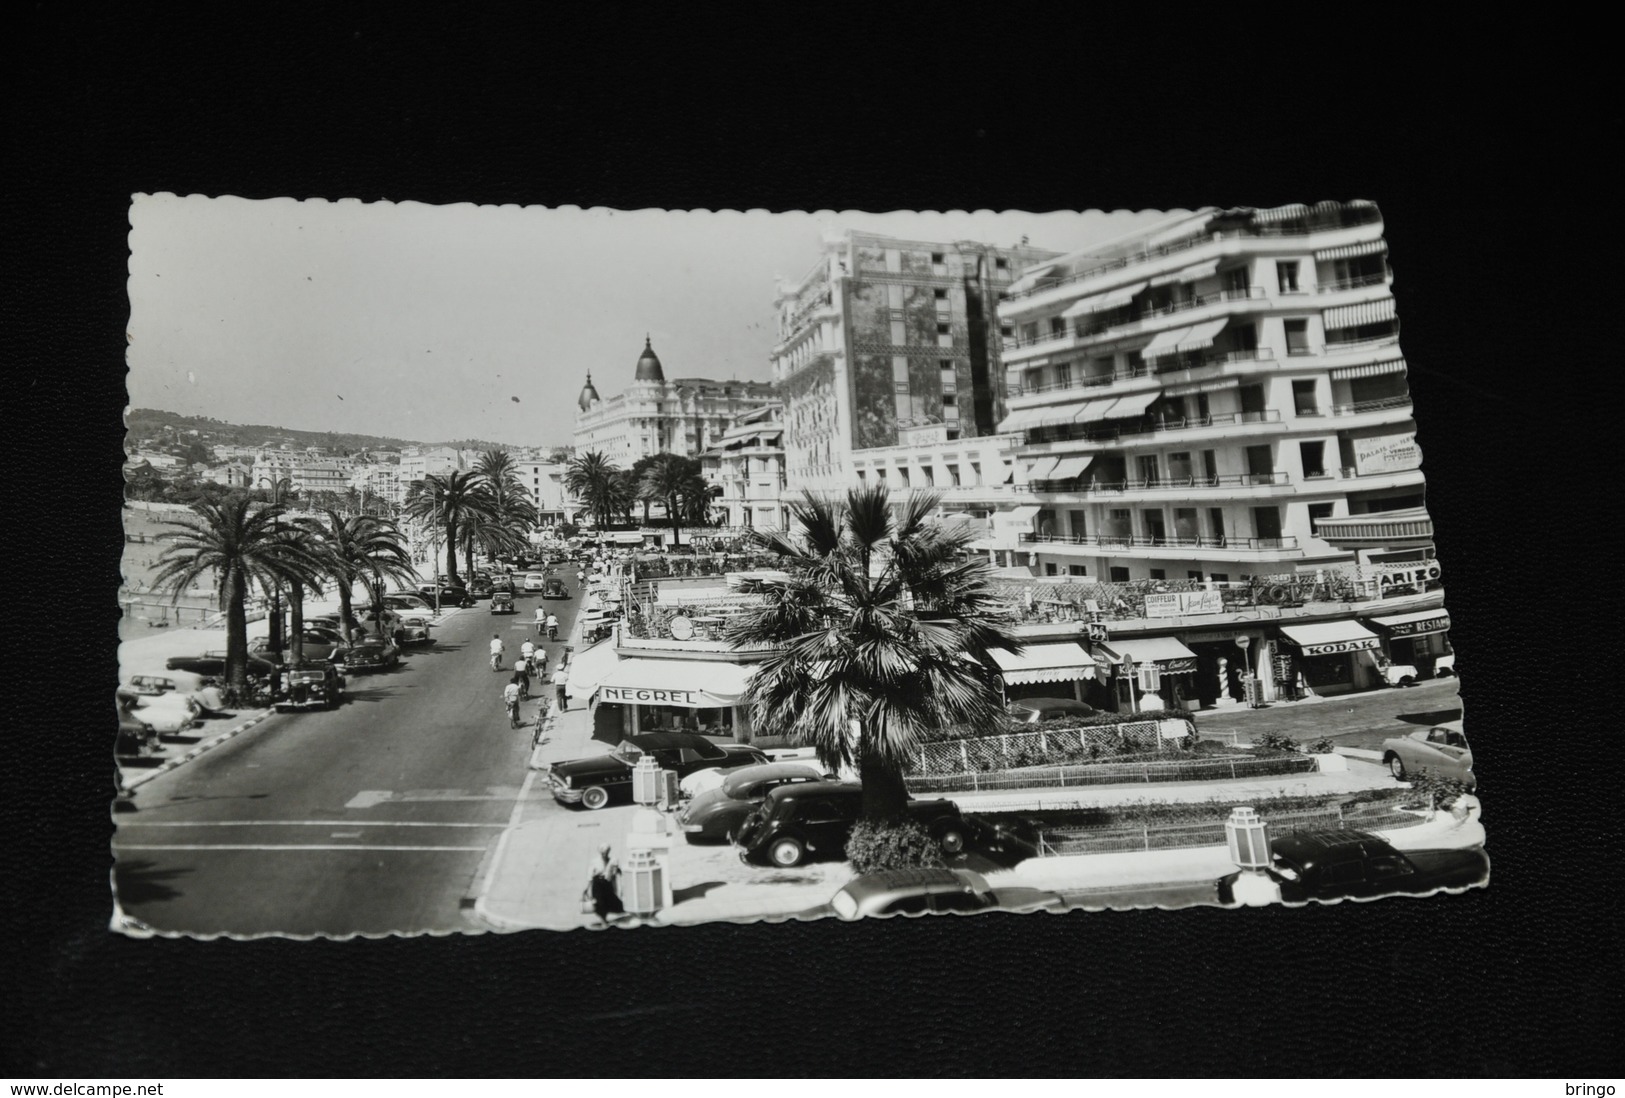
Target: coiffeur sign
<point>1178,603</point>
<point>686,699</point>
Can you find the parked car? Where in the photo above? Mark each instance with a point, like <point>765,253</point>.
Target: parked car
<point>318,644</point>
<point>919,891</point>
<point>794,821</point>
<point>595,781</point>
<point>502,603</point>
<point>554,588</point>
<point>502,583</point>
<point>150,682</point>
<point>1039,710</point>
<point>167,714</point>
<point>479,587</point>
<point>320,687</point>
<point>1441,749</point>
<point>535,581</point>
<point>714,815</point>
<point>372,654</point>
<point>136,739</point>
<point>1337,864</point>
<point>451,594</point>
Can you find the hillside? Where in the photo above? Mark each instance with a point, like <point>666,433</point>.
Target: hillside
<point>150,422</point>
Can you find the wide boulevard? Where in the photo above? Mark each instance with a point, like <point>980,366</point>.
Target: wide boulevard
<point>372,818</point>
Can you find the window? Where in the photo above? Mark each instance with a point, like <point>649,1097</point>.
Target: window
<point>1286,276</point>
<point>1303,398</point>
<point>927,476</point>
<point>1219,577</point>
<point>1063,374</point>
<point>1215,522</point>
<point>899,334</point>
<point>1006,329</point>
<point>975,474</point>
<point>953,475</point>
<point>1244,337</point>
<point>1318,511</point>
<point>902,477</point>
<point>894,296</point>
<point>1313,455</point>
<point>1197,576</point>
<point>1119,575</point>
<point>940,295</point>
<point>1159,573</point>
<point>1051,569</point>
<point>1297,336</point>
<point>936,257</point>
<point>1148,468</point>
<point>1001,264</point>
<point>1237,282</point>
<point>1267,523</point>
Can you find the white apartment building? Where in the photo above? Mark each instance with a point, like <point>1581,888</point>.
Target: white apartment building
<point>380,480</point>
<point>1197,399</point>
<point>544,480</point>
<point>437,461</point>
<point>654,416</point>
<point>747,469</point>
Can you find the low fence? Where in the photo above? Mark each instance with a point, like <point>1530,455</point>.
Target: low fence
<point>1146,837</point>
<point>984,753</point>
<point>1087,774</point>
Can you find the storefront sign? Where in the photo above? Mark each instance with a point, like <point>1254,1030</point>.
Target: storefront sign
<point>1180,603</point>
<point>1239,636</point>
<point>1438,624</point>
<point>1386,454</point>
<point>687,699</point>
<point>1337,648</point>
<point>1176,667</point>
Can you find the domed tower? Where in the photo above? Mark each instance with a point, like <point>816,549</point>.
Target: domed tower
<point>589,395</point>
<point>649,364</point>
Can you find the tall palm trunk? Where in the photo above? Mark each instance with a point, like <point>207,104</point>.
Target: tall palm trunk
<point>885,797</point>
<point>296,612</point>
<point>673,517</point>
<point>451,550</point>
<point>236,638</point>
<point>346,610</point>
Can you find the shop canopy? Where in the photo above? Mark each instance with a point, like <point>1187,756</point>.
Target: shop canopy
<point>688,684</point>
<point>1330,638</point>
<point>1419,624</point>
<point>1166,652</point>
<point>590,667</point>
<point>1061,662</point>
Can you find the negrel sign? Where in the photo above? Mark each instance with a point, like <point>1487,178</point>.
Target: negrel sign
<point>688,699</point>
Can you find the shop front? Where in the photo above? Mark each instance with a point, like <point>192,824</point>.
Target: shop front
<point>675,695</point>
<point>1419,640</point>
<point>1060,670</point>
<point>1328,658</point>
<point>1225,660</point>
<point>1133,688</point>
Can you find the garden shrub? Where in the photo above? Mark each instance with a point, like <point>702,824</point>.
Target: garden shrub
<point>1431,790</point>
<point>1275,741</point>
<point>1322,746</point>
<point>904,844</point>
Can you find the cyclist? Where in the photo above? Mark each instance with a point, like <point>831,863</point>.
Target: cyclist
<point>521,675</point>
<point>527,652</point>
<point>510,698</point>
<point>496,651</point>
<point>552,627</point>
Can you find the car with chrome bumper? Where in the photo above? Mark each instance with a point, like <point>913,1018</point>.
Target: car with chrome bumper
<point>1346,864</point>
<point>795,823</point>
<point>1441,751</point>
<point>932,891</point>
<point>596,781</point>
<point>319,687</point>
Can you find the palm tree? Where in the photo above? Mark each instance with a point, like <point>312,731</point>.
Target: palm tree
<point>360,549</point>
<point>450,500</point>
<point>514,506</point>
<point>871,635</point>
<point>674,480</point>
<point>243,543</point>
<point>491,537</point>
<point>589,478</point>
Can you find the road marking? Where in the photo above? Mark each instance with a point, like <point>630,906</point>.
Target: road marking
<point>312,846</point>
<point>345,835</point>
<point>369,798</point>
<point>296,823</point>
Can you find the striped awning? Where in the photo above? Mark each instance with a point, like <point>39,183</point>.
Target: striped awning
<point>1187,274</point>
<point>1370,369</point>
<point>1111,299</point>
<point>1352,316</point>
<point>1165,343</point>
<point>1331,638</point>
<point>1093,410</point>
<point>1280,213</point>
<point>1031,278</point>
<point>1059,662</point>
<point>1070,468</point>
<point>1040,469</point>
<point>1134,404</point>
<point>1349,251</point>
<point>1201,387</point>
<point>1018,420</point>
<point>1201,335</point>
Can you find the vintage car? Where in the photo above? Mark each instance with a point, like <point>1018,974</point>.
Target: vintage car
<point>595,781</point>
<point>480,587</point>
<point>151,681</point>
<point>535,581</point>
<point>815,818</point>
<point>717,813</point>
<point>317,642</point>
<point>1339,864</point>
<point>1441,750</point>
<point>167,714</point>
<point>315,687</point>
<point>555,588</point>
<point>502,583</point>
<point>1040,710</point>
<point>371,654</point>
<point>922,891</point>
<point>136,738</point>
<point>451,594</point>
<point>502,603</point>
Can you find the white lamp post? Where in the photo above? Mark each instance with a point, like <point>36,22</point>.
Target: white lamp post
<point>1248,838</point>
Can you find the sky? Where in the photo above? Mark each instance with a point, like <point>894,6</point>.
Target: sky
<point>432,323</point>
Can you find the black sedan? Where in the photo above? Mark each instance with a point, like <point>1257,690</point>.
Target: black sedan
<point>717,813</point>
<point>1333,865</point>
<point>371,654</point>
<point>594,782</point>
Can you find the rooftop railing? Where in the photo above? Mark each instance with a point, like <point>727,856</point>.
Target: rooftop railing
<point>1168,484</point>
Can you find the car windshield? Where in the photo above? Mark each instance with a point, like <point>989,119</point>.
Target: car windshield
<point>628,752</point>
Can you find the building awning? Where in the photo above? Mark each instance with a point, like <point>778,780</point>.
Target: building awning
<point>1379,529</point>
<point>1091,410</point>
<point>1370,369</point>
<point>1111,299</point>
<point>1040,469</point>
<point>1017,518</point>
<point>1166,652</point>
<point>590,667</point>
<point>1201,335</point>
<point>1165,343</point>
<point>1419,624</point>
<point>1349,251</point>
<point>1134,404</point>
<point>626,537</point>
<point>1353,316</point>
<point>1030,279</point>
<point>1061,662</point>
<point>1280,213</point>
<point>1201,387</point>
<point>1331,638</point>
<point>687,684</point>
<point>1022,419</point>
<point>1189,274</point>
<point>1070,468</point>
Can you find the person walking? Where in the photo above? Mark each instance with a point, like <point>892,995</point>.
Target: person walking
<point>603,873</point>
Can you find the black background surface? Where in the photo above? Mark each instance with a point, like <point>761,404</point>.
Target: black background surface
<point>1483,147</point>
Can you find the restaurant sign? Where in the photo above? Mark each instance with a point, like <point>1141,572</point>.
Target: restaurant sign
<point>1336,648</point>
<point>1438,623</point>
<point>684,699</point>
<point>1182,603</point>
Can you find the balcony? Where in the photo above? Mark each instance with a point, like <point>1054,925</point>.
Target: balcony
<point>1185,366</point>
<point>1164,484</point>
<point>1118,321</point>
<point>1105,433</point>
<point>1363,406</point>
<point>1110,542</point>
<point>1359,282</point>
